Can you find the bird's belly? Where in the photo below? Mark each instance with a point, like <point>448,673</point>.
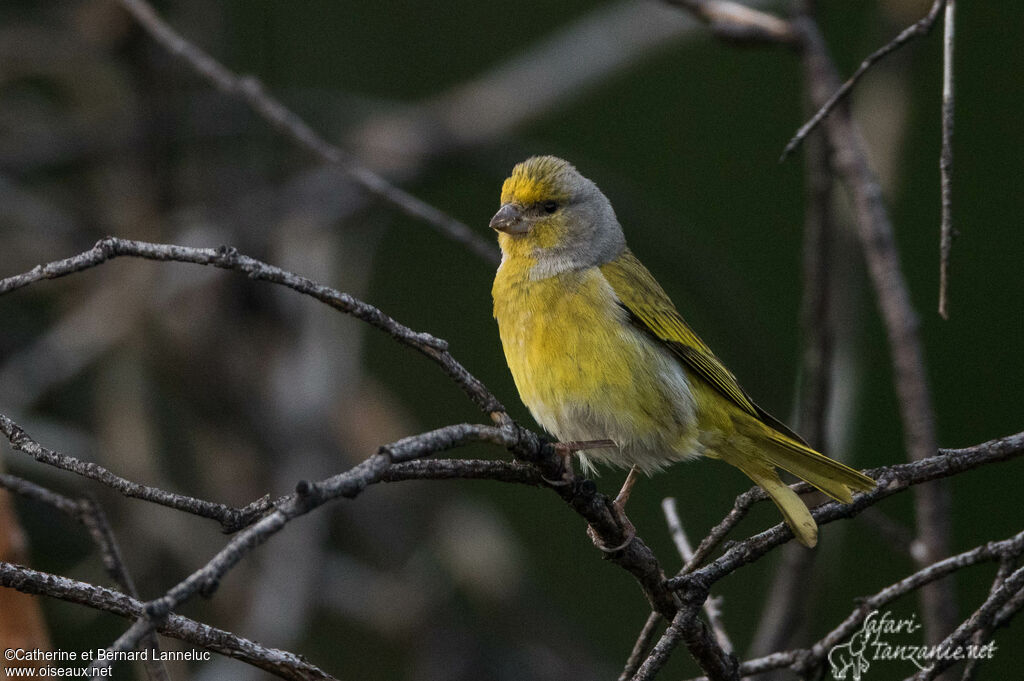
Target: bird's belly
<point>586,373</point>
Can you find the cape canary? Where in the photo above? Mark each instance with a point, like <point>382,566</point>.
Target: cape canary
<point>598,351</point>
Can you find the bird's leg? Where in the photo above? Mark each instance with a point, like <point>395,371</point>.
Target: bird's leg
<point>627,487</point>
<point>619,508</point>
<point>568,448</point>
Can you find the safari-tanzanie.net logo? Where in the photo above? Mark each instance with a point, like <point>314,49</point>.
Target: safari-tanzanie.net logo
<point>884,639</point>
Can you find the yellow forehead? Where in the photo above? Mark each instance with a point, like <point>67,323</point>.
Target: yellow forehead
<point>534,181</point>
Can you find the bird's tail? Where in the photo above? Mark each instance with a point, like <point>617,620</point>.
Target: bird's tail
<point>835,479</point>
<point>794,511</point>
<point>775,449</point>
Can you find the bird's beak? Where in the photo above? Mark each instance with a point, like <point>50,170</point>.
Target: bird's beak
<point>508,219</point>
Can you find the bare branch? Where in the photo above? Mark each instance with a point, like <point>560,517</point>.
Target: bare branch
<point>229,258</point>
<point>88,513</point>
<point>464,469</point>
<point>308,496</point>
<point>250,90</point>
<point>806,660</point>
<point>711,605</point>
<point>983,617</point>
<point>718,533</point>
<point>918,28</point>
<point>230,518</point>
<point>687,627</point>
<point>946,159</point>
<point>643,642</point>
<point>278,662</point>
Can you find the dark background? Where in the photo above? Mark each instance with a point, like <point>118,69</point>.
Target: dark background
<point>212,385</point>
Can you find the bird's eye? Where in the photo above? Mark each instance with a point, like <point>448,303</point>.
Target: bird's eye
<point>550,206</point>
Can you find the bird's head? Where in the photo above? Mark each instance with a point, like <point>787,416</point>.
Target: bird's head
<point>555,218</point>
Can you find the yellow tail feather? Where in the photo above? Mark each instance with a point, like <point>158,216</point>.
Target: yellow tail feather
<point>833,478</point>
<point>793,509</point>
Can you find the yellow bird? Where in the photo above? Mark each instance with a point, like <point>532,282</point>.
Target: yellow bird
<point>598,351</point>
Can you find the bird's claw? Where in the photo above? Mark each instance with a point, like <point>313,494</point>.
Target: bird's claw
<point>628,530</point>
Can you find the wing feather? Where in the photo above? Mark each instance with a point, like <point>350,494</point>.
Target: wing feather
<point>650,309</point>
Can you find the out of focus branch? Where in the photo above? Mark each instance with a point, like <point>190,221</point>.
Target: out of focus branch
<point>488,108</point>
<point>255,95</point>
<point>946,159</point>
<point>893,296</point>
<point>736,22</point>
<point>682,542</point>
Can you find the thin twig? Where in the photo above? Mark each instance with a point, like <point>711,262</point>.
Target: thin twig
<point>682,542</point>
<point>983,617</point>
<point>688,628</point>
<point>946,158</point>
<point>805,661</point>
<point>250,90</point>
<point>920,27</point>
<point>278,662</point>
<point>643,642</point>
<point>230,518</point>
<point>87,512</point>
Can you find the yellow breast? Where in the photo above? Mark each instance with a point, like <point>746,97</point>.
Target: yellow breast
<point>584,371</point>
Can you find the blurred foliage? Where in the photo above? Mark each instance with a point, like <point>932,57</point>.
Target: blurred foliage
<point>220,387</point>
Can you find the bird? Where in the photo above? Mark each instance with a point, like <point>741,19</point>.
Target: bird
<point>598,351</point>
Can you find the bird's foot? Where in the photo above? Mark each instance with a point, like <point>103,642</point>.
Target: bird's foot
<point>619,510</point>
<point>628,531</point>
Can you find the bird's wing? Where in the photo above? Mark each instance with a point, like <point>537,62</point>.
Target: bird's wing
<point>650,308</point>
